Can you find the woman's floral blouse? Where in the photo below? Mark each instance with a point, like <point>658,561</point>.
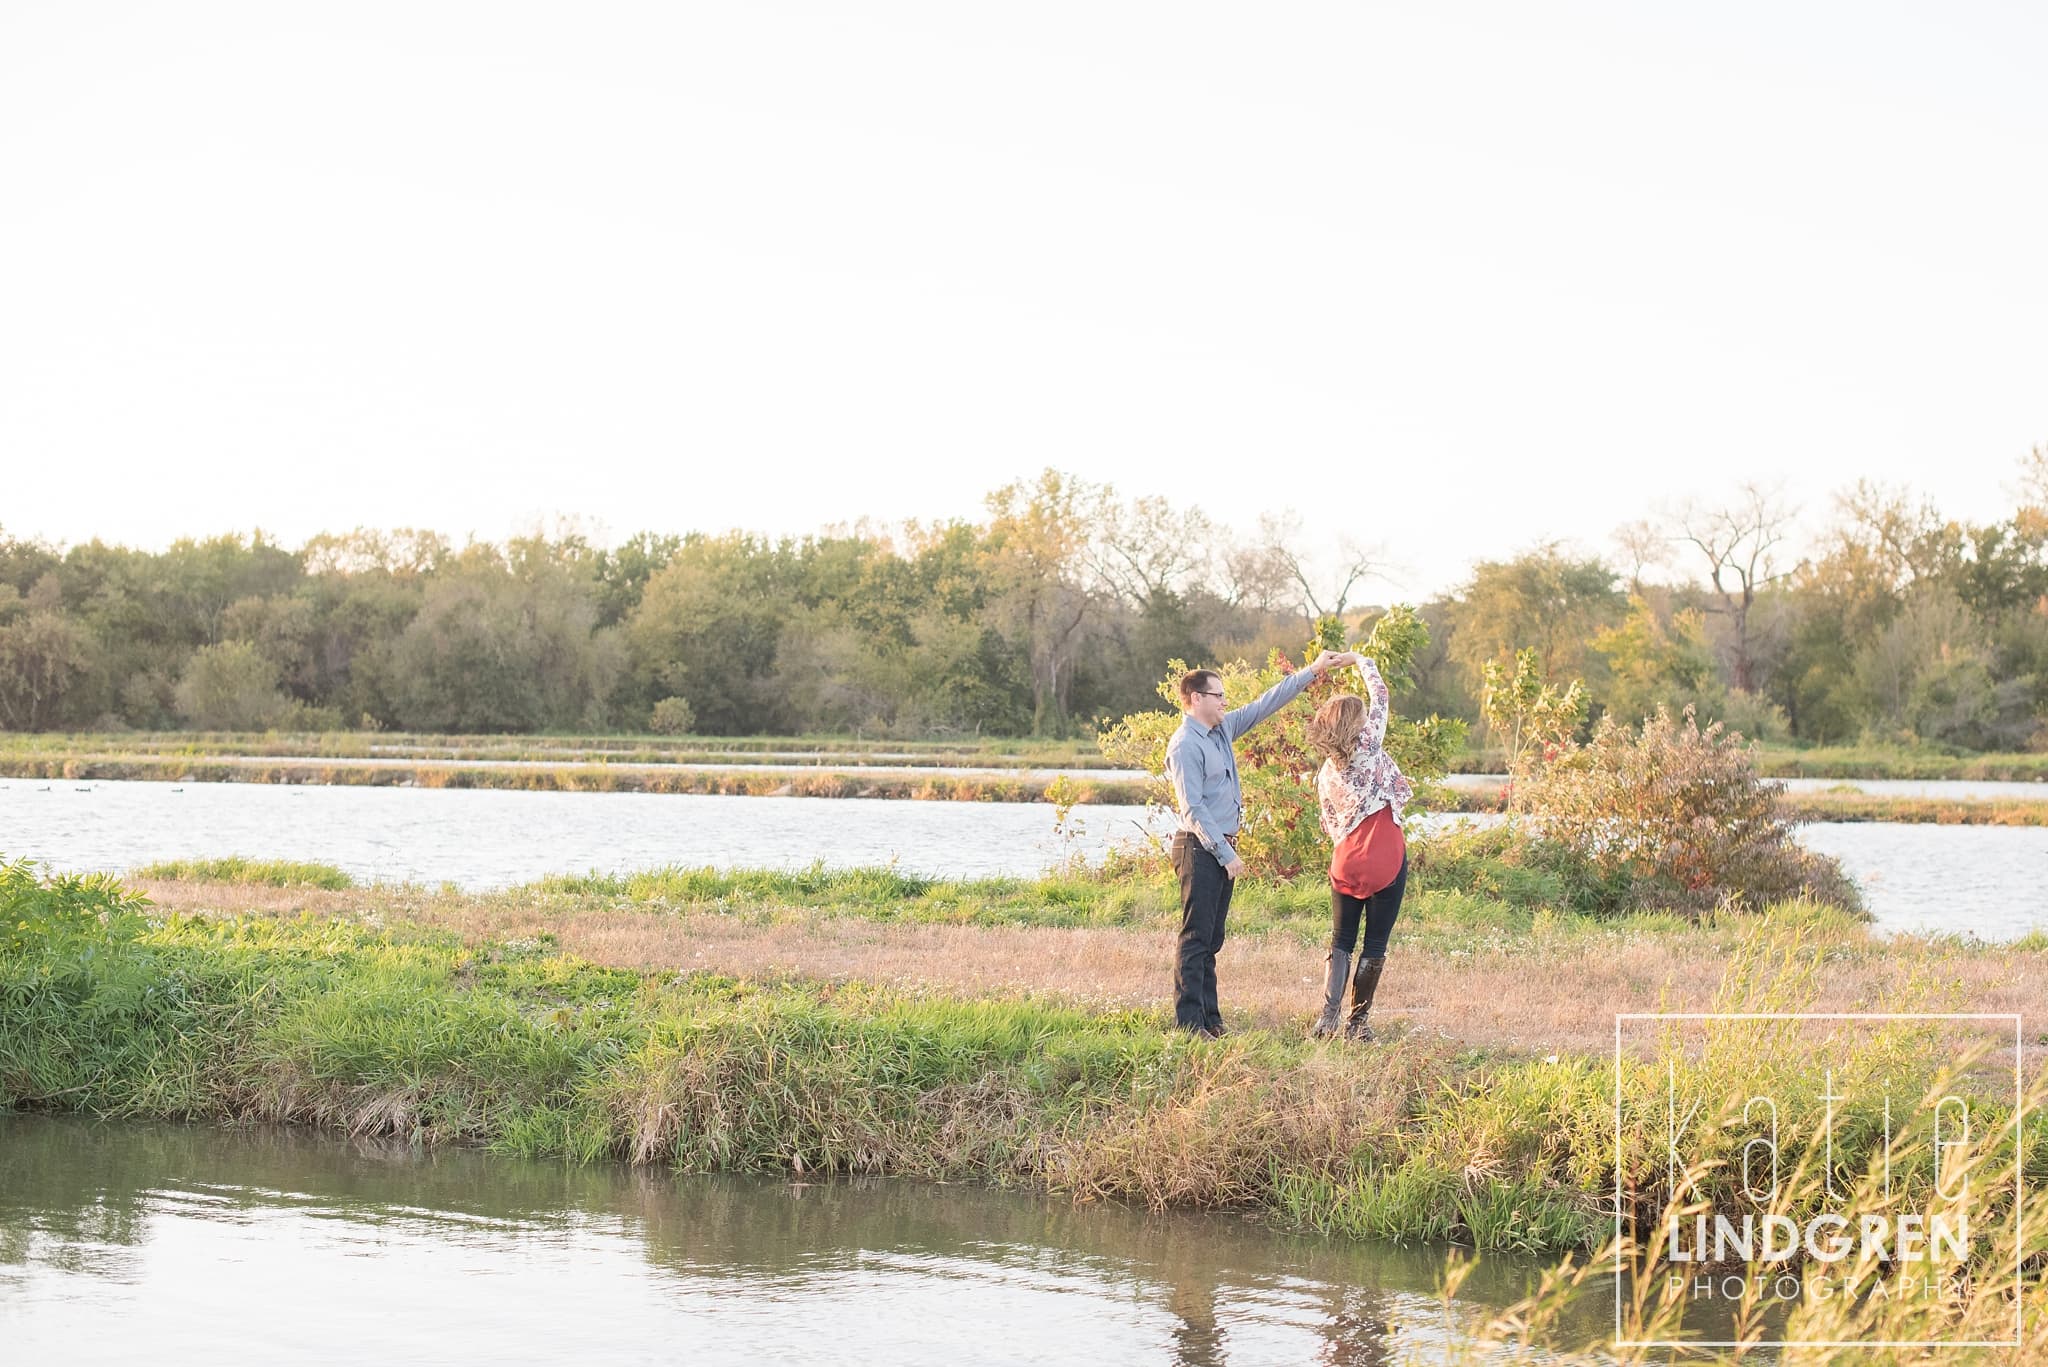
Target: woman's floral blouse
<point>1352,791</point>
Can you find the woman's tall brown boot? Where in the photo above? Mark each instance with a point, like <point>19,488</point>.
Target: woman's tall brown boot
<point>1363,984</point>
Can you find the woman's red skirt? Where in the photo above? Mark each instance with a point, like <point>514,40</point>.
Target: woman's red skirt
<point>1370,857</point>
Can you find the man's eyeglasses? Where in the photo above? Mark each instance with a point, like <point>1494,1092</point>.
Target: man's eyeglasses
<point>1207,693</point>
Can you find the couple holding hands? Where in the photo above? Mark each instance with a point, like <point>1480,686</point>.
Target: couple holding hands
<point>1361,792</point>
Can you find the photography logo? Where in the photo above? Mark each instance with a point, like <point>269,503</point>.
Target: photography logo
<point>1744,1246</point>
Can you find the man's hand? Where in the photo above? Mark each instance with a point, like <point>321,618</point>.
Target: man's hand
<point>1235,868</point>
<point>1331,659</point>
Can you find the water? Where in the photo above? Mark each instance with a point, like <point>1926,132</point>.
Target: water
<point>483,838</point>
<point>1982,880</point>
<point>1985,881</point>
<point>170,1245</point>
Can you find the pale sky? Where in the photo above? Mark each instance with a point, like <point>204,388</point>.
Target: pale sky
<point>1453,278</point>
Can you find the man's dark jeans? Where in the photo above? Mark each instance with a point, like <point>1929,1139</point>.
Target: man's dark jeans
<point>1204,906</point>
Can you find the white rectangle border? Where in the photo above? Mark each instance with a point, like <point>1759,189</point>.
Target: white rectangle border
<point>2019,1178</point>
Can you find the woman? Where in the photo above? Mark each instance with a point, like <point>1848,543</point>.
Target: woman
<point>1361,791</point>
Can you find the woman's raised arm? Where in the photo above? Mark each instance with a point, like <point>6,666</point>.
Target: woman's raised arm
<point>1374,730</point>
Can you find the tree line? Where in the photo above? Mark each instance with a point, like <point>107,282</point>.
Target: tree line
<point>1047,616</point>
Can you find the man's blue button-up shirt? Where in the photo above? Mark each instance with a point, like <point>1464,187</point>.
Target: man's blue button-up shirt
<point>1203,768</point>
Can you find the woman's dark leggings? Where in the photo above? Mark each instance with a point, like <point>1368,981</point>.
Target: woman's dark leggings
<point>1379,911</point>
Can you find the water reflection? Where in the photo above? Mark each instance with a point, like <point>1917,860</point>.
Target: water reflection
<point>180,1243</point>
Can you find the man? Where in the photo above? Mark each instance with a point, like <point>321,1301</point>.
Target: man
<point>1202,767</point>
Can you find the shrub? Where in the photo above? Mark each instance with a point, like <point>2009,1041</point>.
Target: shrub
<point>1680,815</point>
<point>43,915</point>
<point>1754,716</point>
<point>673,717</point>
<point>67,943</point>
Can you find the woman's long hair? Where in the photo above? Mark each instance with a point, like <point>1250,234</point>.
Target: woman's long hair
<point>1333,730</point>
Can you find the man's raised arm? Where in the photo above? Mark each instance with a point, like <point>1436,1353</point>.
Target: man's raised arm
<point>1243,719</point>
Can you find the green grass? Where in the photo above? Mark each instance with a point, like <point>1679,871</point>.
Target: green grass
<point>1470,910</point>
<point>1128,897</point>
<point>276,873</point>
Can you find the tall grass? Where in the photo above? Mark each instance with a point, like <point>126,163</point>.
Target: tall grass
<point>1988,1309</point>
<point>276,873</point>
<point>571,776</point>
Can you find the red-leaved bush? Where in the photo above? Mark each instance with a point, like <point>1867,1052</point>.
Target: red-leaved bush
<point>1673,816</point>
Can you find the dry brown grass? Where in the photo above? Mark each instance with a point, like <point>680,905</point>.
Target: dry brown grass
<point>1207,1141</point>
<point>1538,994</point>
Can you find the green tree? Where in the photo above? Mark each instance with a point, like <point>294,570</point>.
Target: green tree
<point>1655,661</point>
<point>284,629</point>
<point>197,581</point>
<point>1543,601</point>
<point>1529,717</point>
<point>22,563</point>
<point>672,717</point>
<point>1929,678</point>
<point>231,687</point>
<point>44,655</point>
<point>494,649</point>
<point>707,629</point>
<point>1039,547</point>
<point>966,677</point>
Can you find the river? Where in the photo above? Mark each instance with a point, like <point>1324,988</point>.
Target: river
<point>176,1244</point>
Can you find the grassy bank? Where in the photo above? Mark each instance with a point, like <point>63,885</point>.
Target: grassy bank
<point>909,784</point>
<point>1854,761</point>
<point>530,1051</point>
<point>1847,805</point>
<point>511,1042</point>
<point>1916,811</point>
<point>1850,762</point>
